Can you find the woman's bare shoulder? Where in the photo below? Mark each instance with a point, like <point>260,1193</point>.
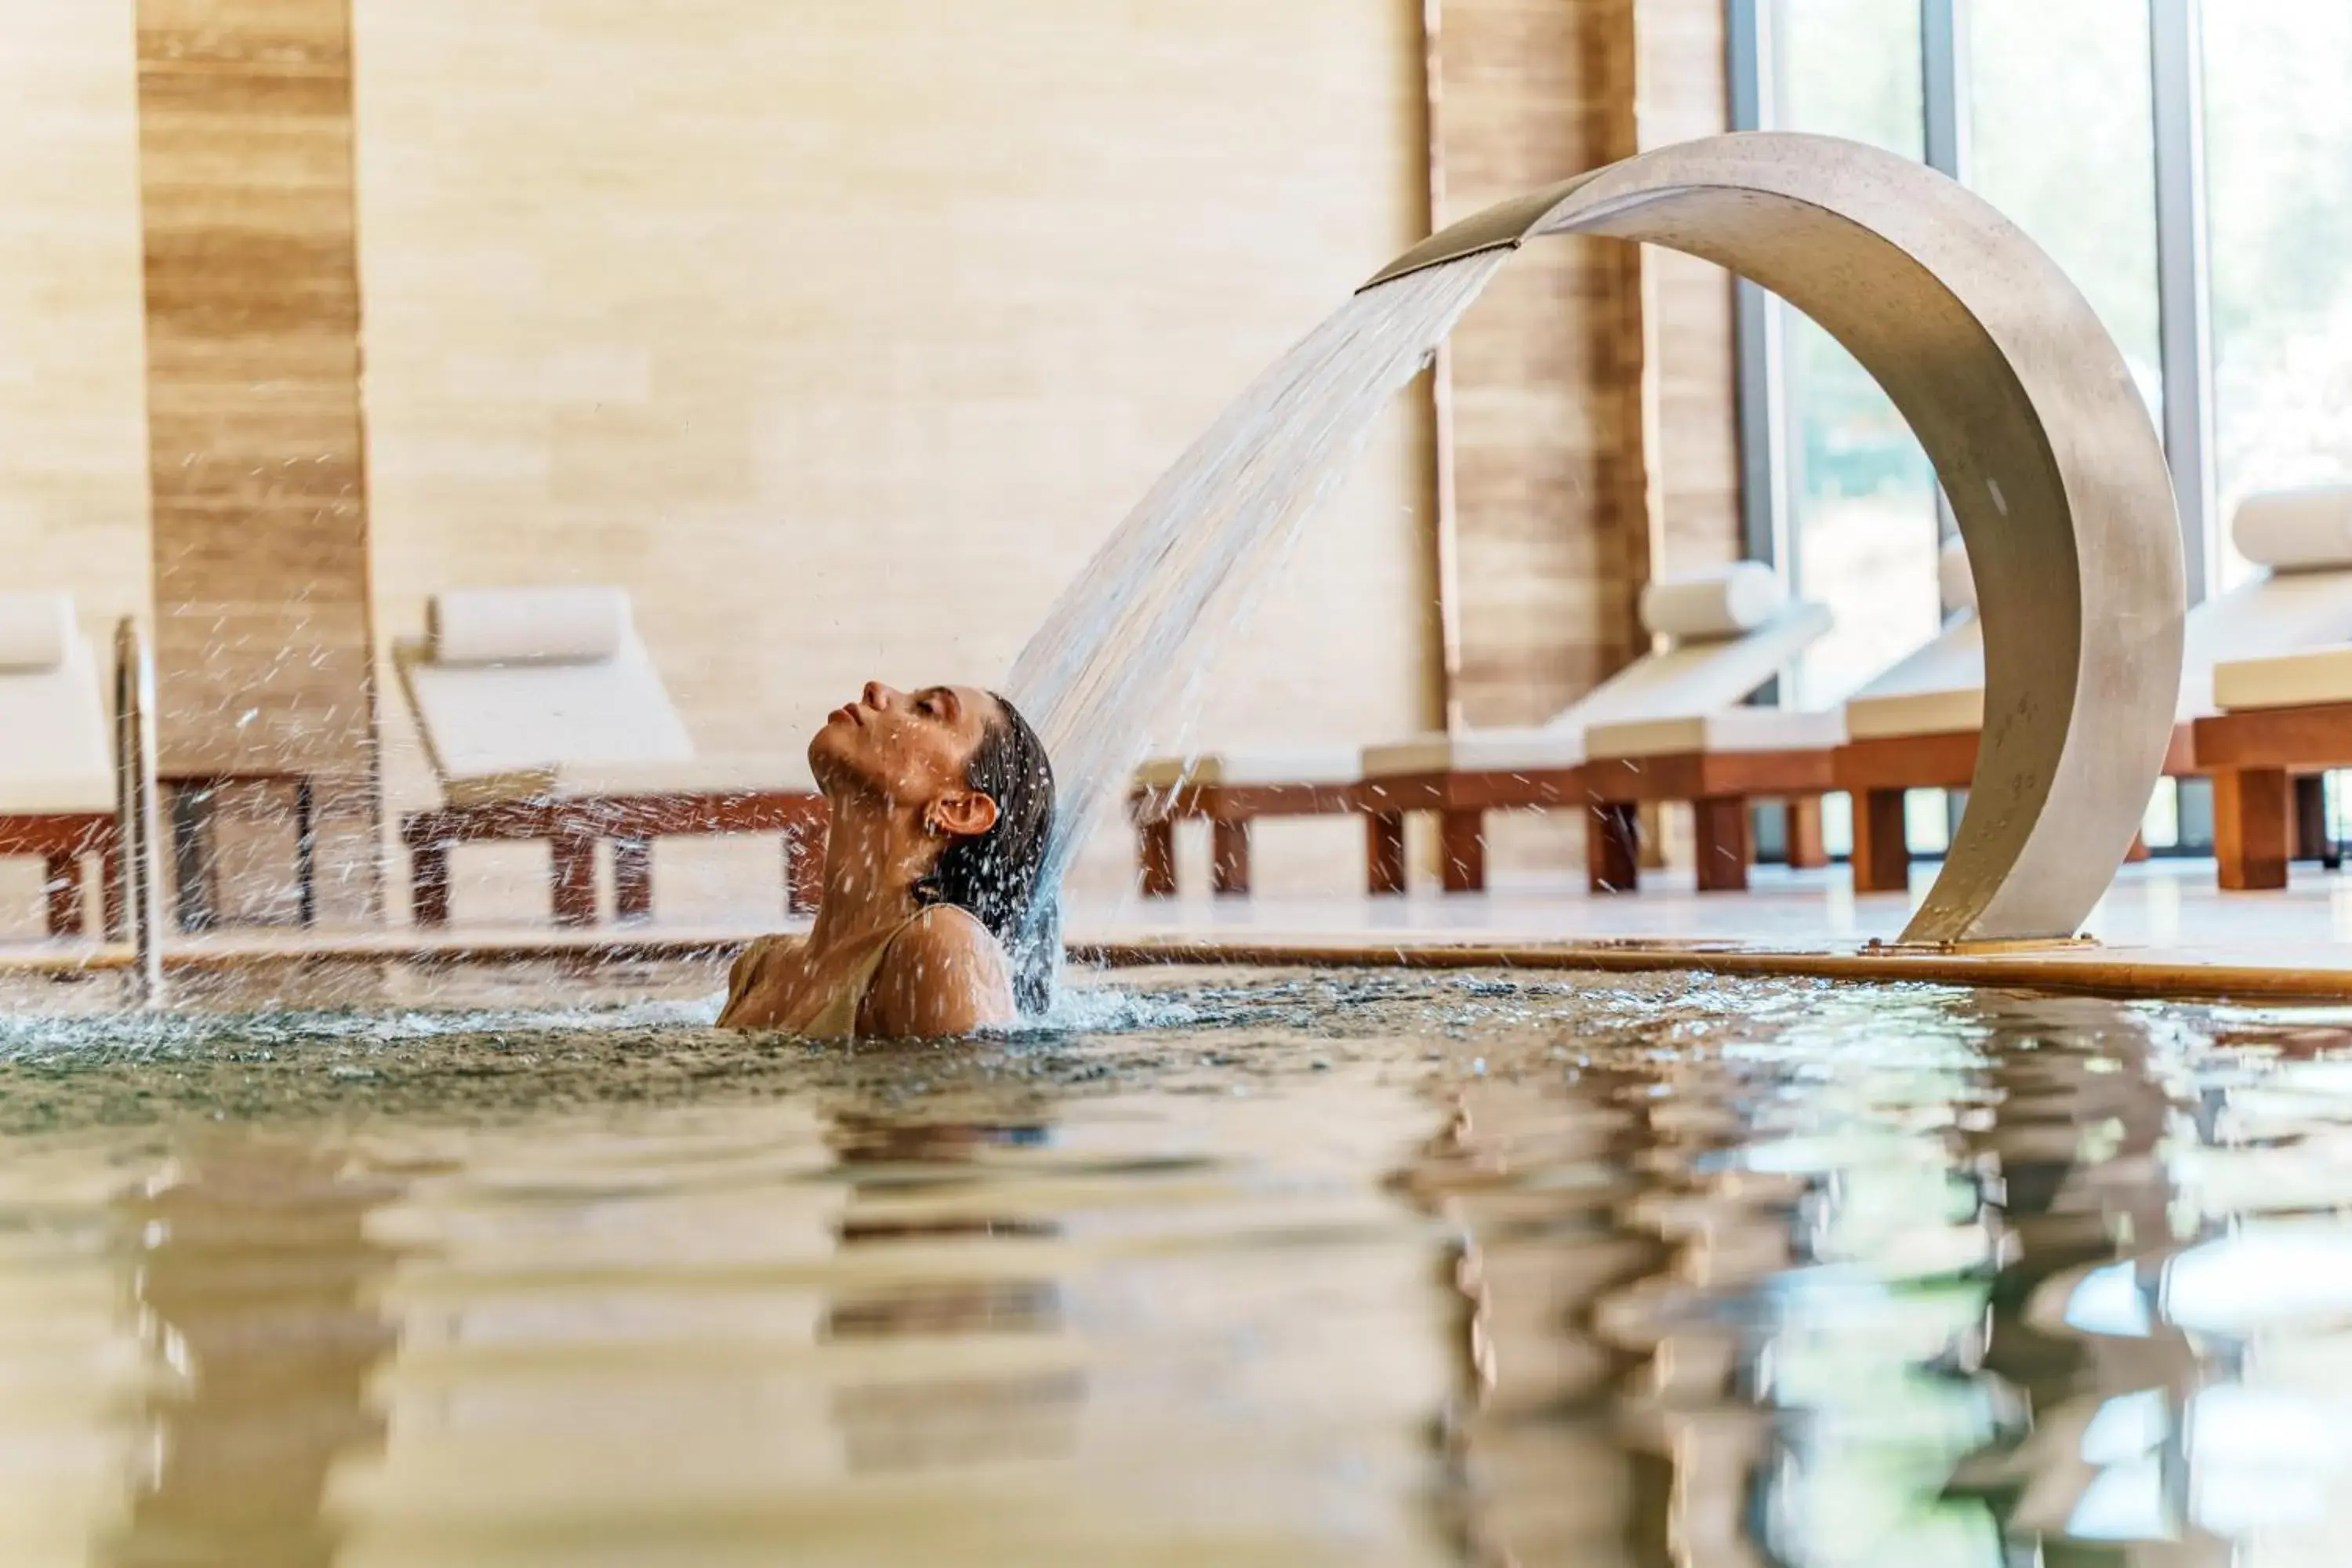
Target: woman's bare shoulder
<point>944,973</point>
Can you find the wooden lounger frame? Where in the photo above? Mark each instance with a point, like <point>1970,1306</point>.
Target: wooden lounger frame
<point>1229,809</point>
<point>62,838</point>
<point>1460,800</point>
<point>2261,761</point>
<point>1876,772</point>
<point>1719,786</point>
<point>574,825</point>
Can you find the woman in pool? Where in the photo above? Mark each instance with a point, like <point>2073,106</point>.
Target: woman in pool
<point>941,803</point>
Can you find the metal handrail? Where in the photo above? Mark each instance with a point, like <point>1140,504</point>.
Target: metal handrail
<point>138,817</point>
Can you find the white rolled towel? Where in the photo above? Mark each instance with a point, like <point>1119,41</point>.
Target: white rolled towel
<point>2296,530</point>
<point>36,630</point>
<point>1705,606</point>
<point>527,626</point>
<point>1953,576</point>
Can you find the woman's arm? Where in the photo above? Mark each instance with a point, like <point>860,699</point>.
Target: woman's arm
<point>944,974</point>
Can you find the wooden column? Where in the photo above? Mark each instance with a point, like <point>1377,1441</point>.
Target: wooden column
<point>1551,530</point>
<point>1587,431</point>
<point>260,543</point>
<point>1690,356</point>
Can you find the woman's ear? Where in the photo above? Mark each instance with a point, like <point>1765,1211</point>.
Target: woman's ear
<point>964,813</point>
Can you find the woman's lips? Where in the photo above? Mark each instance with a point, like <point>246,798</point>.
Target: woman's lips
<point>848,710</point>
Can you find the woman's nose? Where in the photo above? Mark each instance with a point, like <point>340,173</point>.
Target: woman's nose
<point>878,695</point>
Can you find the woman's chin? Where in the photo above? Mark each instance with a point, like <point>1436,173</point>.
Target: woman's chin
<point>832,757</point>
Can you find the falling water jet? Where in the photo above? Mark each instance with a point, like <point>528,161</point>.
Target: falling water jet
<point>2001,368</point>
<point>1126,641</point>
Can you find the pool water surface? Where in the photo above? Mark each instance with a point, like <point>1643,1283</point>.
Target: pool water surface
<point>372,1265</point>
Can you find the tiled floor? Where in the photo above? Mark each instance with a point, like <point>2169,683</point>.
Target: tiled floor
<point>2163,930</point>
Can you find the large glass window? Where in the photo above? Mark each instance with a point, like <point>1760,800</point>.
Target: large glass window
<point>2063,141</point>
<point>2278,124</point>
<point>1862,495</point>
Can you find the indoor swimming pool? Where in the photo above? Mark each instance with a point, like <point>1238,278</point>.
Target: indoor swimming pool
<point>379,1264</point>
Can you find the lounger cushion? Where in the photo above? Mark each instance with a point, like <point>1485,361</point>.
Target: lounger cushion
<point>1477,751</point>
<point>61,794</point>
<point>1700,676</point>
<point>1915,713</point>
<point>527,626</point>
<point>56,751</point>
<point>2285,681</point>
<point>1733,730</point>
<point>701,776</point>
<point>696,776</point>
<point>2296,530</point>
<point>482,719</point>
<point>1308,765</point>
<point>36,630</point>
<point>1702,606</point>
<point>1939,689</point>
<point>1935,690</point>
<point>2278,613</point>
<point>1692,677</point>
<point>1954,580</point>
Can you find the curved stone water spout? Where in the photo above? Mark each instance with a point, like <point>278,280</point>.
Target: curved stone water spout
<point>2025,406</point>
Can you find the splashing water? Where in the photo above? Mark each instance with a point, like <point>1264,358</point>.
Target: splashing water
<point>1120,656</point>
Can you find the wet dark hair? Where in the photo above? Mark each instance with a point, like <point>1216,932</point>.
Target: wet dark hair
<point>994,876</point>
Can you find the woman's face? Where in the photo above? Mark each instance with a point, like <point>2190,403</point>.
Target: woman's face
<point>910,748</point>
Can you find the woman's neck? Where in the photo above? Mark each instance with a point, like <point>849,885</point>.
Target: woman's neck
<point>873,857</point>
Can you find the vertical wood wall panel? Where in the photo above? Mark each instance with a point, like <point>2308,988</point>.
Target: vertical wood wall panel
<point>1548,473</point>
<point>1683,94</point>
<point>1591,391</point>
<point>259,541</point>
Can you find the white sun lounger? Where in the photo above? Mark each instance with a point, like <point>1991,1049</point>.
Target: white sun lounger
<point>543,717</point>
<point>2279,689</point>
<point>57,770</point>
<point>1728,632</point>
<point>1918,729</point>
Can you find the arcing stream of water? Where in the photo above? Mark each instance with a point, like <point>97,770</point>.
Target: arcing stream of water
<point>1118,660</point>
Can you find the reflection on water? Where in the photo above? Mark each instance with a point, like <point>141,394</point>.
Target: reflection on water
<point>1272,1269</point>
<point>252,1275</point>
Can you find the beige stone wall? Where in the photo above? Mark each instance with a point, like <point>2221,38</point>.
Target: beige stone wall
<point>73,438</point>
<point>73,442</point>
<point>841,333</point>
